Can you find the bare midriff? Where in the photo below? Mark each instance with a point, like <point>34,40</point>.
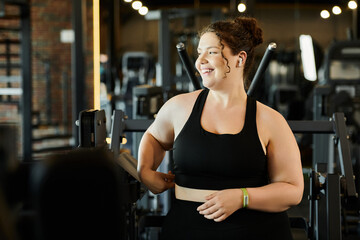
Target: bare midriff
<point>192,194</point>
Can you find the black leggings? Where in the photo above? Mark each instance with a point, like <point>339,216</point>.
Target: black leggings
<point>183,222</point>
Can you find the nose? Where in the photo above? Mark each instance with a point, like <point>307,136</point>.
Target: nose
<point>201,59</point>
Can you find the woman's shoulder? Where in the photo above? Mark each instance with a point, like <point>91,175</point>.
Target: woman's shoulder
<point>269,116</point>
<point>183,100</point>
<point>174,112</point>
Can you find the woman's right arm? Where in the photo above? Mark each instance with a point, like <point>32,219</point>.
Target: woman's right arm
<point>157,139</point>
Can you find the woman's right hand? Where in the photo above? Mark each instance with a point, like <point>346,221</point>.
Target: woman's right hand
<point>158,182</point>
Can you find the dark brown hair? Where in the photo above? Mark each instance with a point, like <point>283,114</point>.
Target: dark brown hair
<point>239,34</point>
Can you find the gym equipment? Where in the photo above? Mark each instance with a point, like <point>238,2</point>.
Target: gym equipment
<point>332,185</point>
<point>323,223</point>
<point>337,90</point>
<point>92,128</point>
<point>261,69</point>
<point>147,100</point>
<point>189,67</point>
<point>326,224</point>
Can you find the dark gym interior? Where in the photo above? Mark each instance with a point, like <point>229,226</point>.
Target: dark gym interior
<point>81,80</point>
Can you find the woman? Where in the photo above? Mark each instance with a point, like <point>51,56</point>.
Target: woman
<point>236,162</point>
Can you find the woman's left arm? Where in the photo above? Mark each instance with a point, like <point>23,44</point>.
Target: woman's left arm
<point>284,167</point>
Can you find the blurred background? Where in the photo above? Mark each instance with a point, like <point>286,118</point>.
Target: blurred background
<point>60,57</point>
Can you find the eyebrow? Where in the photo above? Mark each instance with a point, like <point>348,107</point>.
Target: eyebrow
<point>209,47</point>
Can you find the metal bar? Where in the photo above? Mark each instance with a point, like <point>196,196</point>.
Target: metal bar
<point>26,100</point>
<point>12,41</point>
<point>13,65</point>
<point>2,8</point>
<point>261,69</point>
<point>64,86</point>
<point>117,129</point>
<point>344,154</point>
<point>333,207</point>
<point>17,2</point>
<point>326,127</point>
<point>110,47</point>
<point>356,23</point>
<point>10,54</point>
<point>77,67</point>
<point>10,29</point>
<point>188,65</point>
<point>8,65</point>
<point>257,78</point>
<point>139,125</point>
<point>311,126</point>
<point>164,50</point>
<point>313,197</point>
<point>48,92</point>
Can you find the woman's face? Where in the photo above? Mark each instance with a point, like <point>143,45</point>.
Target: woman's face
<point>210,62</point>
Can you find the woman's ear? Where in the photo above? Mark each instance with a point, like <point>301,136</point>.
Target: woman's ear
<point>242,57</point>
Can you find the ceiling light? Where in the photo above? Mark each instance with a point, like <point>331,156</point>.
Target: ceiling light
<point>352,5</point>
<point>128,1</point>
<point>336,10</point>
<point>308,57</point>
<point>136,5</point>
<point>143,10</point>
<point>325,14</point>
<point>241,7</point>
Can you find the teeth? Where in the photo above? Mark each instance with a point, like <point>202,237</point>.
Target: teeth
<point>206,70</point>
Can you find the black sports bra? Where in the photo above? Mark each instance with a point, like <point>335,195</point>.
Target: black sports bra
<point>205,160</point>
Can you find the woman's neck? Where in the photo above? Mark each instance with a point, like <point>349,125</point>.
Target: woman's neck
<point>228,97</point>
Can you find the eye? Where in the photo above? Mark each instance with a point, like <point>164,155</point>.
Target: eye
<point>212,52</point>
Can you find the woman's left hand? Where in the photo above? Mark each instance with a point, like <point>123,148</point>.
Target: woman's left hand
<point>222,204</point>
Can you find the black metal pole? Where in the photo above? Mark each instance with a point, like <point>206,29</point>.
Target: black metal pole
<point>356,23</point>
<point>110,47</point>
<point>257,78</point>
<point>333,207</point>
<point>261,69</point>
<point>26,100</point>
<point>77,68</point>
<point>164,56</point>
<point>48,91</point>
<point>189,67</point>
<point>344,153</point>
<point>65,99</point>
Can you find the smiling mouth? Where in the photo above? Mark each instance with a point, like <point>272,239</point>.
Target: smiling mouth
<point>205,71</point>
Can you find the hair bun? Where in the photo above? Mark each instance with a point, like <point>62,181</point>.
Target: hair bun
<point>250,26</point>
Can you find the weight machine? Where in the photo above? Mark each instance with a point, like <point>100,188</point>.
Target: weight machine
<point>337,188</point>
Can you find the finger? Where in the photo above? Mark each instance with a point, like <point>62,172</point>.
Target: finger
<point>166,177</point>
<point>221,218</point>
<point>170,176</point>
<point>170,185</point>
<point>205,205</point>
<point>169,179</point>
<point>215,214</point>
<point>209,210</point>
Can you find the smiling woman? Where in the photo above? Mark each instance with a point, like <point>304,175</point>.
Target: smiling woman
<point>237,165</point>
